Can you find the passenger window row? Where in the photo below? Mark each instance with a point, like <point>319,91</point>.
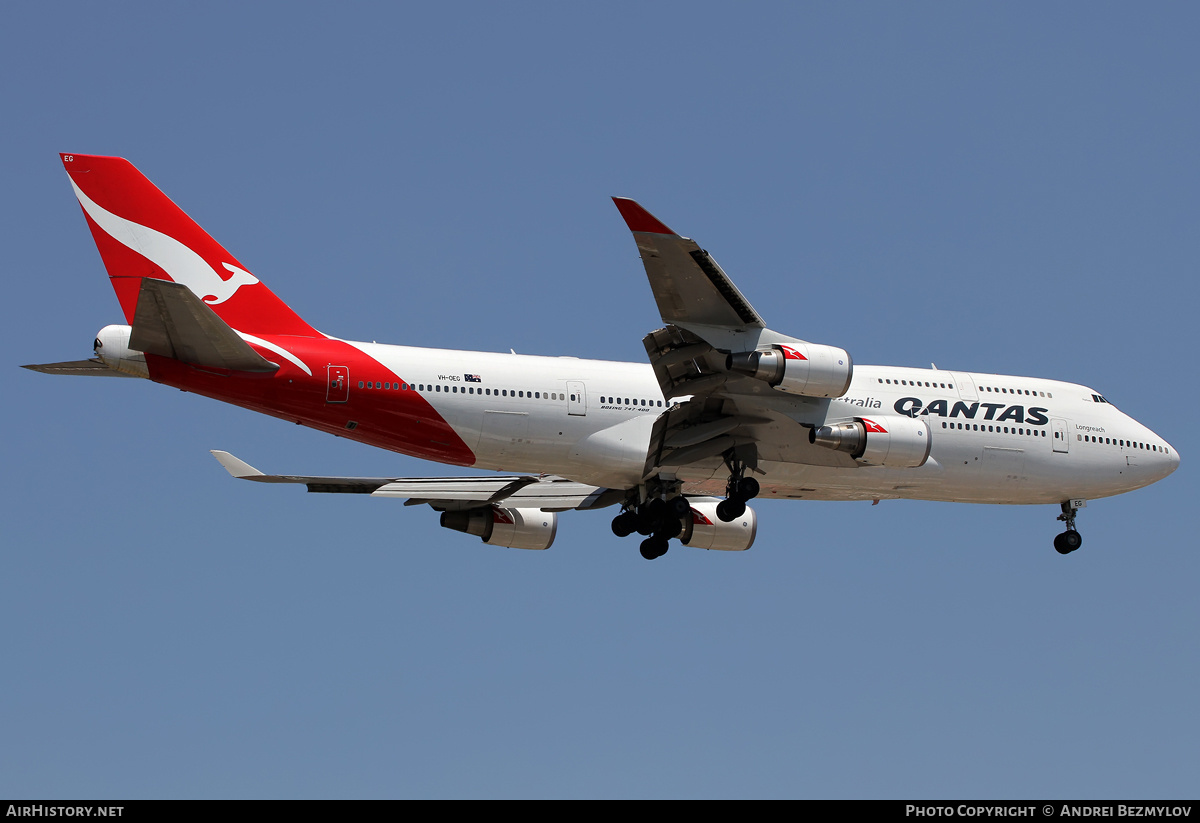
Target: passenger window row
<point>917,383</point>
<point>454,388</point>
<point>1085,438</point>
<point>995,389</point>
<point>625,401</point>
<point>980,427</point>
<point>1030,392</point>
<point>1112,441</point>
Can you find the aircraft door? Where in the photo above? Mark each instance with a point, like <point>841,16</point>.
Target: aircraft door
<point>576,398</point>
<point>1059,429</point>
<point>337,384</point>
<point>966,387</point>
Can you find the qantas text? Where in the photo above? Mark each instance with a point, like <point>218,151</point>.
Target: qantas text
<point>913,406</point>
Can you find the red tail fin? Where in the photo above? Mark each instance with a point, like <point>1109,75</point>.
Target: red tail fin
<point>141,233</point>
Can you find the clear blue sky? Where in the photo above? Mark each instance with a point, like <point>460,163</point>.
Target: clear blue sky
<point>1004,188</point>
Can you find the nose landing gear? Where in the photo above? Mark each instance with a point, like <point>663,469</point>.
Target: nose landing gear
<point>1070,540</point>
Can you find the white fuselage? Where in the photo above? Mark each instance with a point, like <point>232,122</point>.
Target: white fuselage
<point>994,438</point>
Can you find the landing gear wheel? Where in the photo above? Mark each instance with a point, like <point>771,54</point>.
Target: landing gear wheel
<point>738,490</point>
<point>1068,542</point>
<point>679,506</point>
<point>747,488</point>
<point>644,523</point>
<point>654,547</point>
<point>730,510</point>
<point>625,524</point>
<point>651,516</point>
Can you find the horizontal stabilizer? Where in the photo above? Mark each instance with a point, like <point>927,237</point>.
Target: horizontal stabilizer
<point>81,368</point>
<point>171,321</point>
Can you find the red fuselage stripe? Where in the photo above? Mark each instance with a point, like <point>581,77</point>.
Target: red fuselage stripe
<point>401,421</point>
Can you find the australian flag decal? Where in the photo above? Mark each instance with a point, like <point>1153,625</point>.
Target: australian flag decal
<point>472,378</point>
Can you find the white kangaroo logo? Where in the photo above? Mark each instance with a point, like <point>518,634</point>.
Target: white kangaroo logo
<point>177,260</point>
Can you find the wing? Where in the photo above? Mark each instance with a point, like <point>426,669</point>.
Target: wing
<point>706,358</point>
<point>446,493</point>
<point>688,285</point>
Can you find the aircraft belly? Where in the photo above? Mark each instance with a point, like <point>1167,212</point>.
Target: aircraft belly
<point>968,475</point>
<point>802,481</point>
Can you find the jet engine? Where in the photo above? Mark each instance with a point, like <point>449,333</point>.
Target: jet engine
<point>800,368</point>
<point>514,528</point>
<point>898,442</point>
<point>704,530</point>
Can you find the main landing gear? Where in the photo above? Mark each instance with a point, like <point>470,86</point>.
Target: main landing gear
<point>1070,540</point>
<point>739,489</point>
<point>658,519</point>
<point>663,513</point>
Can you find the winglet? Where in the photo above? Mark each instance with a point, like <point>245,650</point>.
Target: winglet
<point>238,468</point>
<point>638,219</point>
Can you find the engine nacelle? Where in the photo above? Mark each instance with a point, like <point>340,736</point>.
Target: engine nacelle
<point>112,346</point>
<point>800,368</point>
<point>898,442</point>
<point>514,528</point>
<point>707,531</point>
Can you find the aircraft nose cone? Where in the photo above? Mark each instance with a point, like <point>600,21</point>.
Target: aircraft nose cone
<point>1167,462</point>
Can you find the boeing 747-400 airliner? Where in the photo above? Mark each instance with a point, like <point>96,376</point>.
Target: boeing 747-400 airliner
<point>725,409</point>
